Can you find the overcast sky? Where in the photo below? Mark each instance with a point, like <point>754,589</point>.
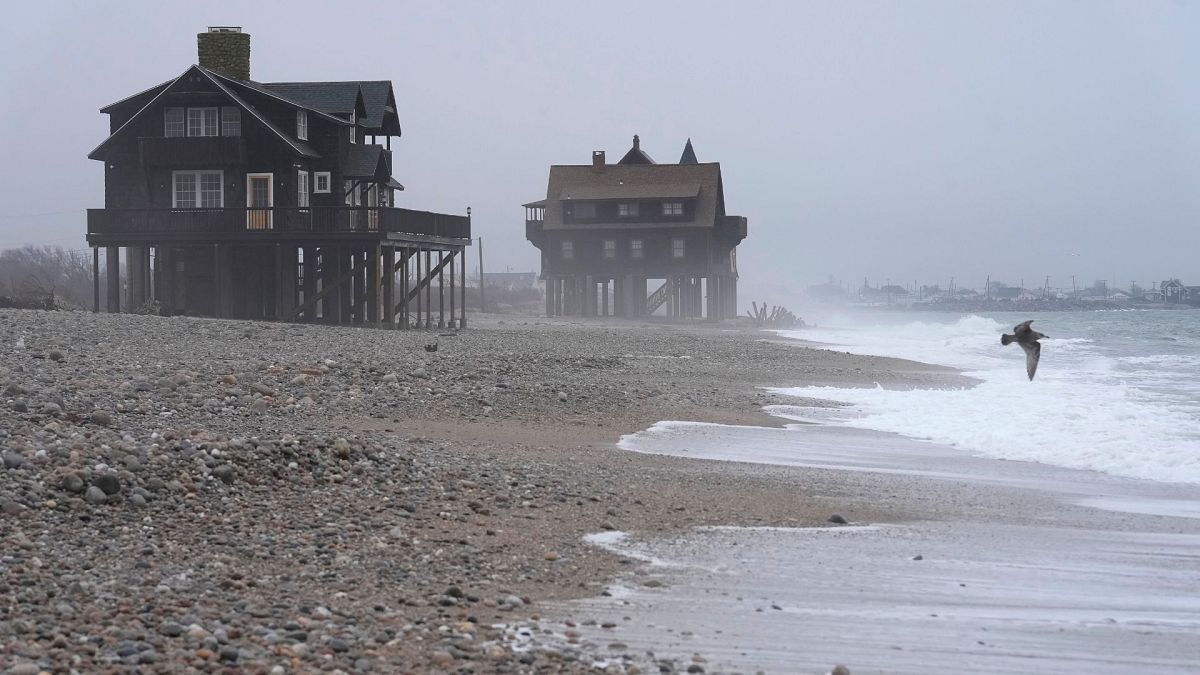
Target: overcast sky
<point>908,141</point>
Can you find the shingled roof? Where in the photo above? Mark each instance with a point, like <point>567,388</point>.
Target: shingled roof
<point>636,181</point>
<point>221,83</point>
<point>366,162</point>
<point>339,98</point>
<point>635,154</point>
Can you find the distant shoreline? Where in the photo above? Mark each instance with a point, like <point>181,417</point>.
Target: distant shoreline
<point>1024,306</point>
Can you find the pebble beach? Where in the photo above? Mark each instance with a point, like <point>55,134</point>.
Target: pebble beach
<point>194,495</point>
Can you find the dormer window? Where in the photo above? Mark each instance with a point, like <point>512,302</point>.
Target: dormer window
<point>231,121</point>
<point>672,208</point>
<point>627,209</point>
<point>202,122</point>
<point>302,125</point>
<point>173,122</point>
<point>354,126</point>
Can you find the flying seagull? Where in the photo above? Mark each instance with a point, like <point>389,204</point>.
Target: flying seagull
<point>1028,339</point>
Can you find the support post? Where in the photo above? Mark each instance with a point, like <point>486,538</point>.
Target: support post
<point>549,297</point>
<point>96,279</point>
<point>389,287</point>
<point>453,253</point>
<point>428,288</point>
<point>441,290</point>
<point>373,282</point>
<point>113,270</point>
<point>309,288</point>
<point>462,309</point>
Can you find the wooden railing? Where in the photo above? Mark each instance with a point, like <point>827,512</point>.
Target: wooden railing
<point>316,220</point>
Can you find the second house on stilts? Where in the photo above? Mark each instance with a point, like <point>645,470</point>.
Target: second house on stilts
<point>637,238</point>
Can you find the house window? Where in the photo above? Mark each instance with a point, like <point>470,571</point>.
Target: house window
<point>197,189</point>
<point>202,121</point>
<point>677,248</point>
<point>627,210</point>
<point>321,182</point>
<point>568,249</point>
<point>610,248</point>
<point>635,248</point>
<point>672,208</point>
<point>584,210</point>
<point>302,125</point>
<point>231,121</point>
<point>353,126</point>
<point>173,126</point>
<point>302,189</point>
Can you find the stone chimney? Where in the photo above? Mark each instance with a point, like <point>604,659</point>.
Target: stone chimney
<point>598,160</point>
<point>226,50</point>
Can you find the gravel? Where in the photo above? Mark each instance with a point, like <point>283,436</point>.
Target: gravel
<point>184,493</point>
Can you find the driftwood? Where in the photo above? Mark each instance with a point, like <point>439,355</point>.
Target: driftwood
<point>776,317</point>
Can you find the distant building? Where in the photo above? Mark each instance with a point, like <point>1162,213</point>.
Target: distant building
<point>512,281</point>
<point>255,200</point>
<point>608,231</point>
<point>1174,292</point>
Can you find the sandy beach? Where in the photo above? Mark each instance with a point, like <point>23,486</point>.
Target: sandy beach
<point>201,495</point>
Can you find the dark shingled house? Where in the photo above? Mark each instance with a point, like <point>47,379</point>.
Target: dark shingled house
<point>609,231</point>
<point>241,199</point>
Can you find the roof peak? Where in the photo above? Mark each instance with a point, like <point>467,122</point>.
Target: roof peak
<point>636,155</point>
<point>689,154</point>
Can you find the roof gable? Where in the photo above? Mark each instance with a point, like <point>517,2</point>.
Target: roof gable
<point>298,147</point>
<point>374,100</point>
<point>689,155</point>
<point>637,181</point>
<point>635,154</point>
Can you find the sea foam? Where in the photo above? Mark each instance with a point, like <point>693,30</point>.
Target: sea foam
<point>1093,405</point>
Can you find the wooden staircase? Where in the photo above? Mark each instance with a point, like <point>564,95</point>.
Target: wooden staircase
<point>659,297</point>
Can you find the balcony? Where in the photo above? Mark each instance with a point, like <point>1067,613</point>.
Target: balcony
<point>192,151</point>
<point>117,226</point>
<point>733,227</point>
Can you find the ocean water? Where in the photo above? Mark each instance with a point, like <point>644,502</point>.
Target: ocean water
<point>1116,391</point>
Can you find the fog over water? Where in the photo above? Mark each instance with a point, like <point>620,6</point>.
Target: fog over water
<point>906,141</point>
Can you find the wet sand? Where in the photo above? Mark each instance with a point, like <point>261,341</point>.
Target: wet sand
<point>994,567</point>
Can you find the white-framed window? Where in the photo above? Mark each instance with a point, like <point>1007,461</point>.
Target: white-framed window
<point>627,209</point>
<point>231,121</point>
<point>635,248</point>
<point>302,125</point>
<point>202,122</point>
<point>610,248</point>
<point>584,210</point>
<point>173,122</point>
<point>197,189</point>
<point>353,126</point>
<point>568,249</point>
<point>678,249</point>
<point>672,208</point>
<point>302,189</point>
<point>321,182</point>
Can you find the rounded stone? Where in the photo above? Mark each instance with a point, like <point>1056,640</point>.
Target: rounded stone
<point>107,482</point>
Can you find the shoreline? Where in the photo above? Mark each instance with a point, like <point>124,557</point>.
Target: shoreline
<point>320,495</point>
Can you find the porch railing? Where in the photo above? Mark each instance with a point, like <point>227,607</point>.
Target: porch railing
<point>314,220</point>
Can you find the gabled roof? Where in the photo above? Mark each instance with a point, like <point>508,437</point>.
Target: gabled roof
<point>374,100</point>
<point>248,85</point>
<point>637,181</point>
<point>635,154</point>
<point>366,162</point>
<point>689,155</point>
<point>147,94</point>
<point>218,81</point>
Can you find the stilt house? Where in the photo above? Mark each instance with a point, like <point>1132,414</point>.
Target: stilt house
<point>629,238</point>
<point>241,199</point>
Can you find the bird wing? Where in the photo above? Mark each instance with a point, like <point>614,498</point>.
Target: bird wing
<point>1033,353</point>
<point>1022,328</point>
